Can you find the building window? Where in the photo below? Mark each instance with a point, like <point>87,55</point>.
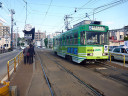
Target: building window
<point>121,37</point>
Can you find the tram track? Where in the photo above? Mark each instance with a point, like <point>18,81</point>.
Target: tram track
<point>94,90</point>
<point>95,80</point>
<point>113,72</point>
<point>46,77</point>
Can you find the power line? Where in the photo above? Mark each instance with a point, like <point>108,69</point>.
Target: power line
<point>58,6</point>
<point>81,7</point>
<point>103,8</point>
<point>26,11</point>
<point>47,10</point>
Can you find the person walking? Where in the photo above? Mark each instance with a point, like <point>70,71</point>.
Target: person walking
<point>26,55</point>
<point>31,53</point>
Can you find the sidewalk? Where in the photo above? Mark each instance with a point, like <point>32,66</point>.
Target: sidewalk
<point>30,82</point>
<point>22,78</point>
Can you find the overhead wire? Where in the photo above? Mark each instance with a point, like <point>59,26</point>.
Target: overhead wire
<point>4,8</point>
<point>80,8</point>
<point>109,6</point>
<point>102,8</point>
<point>47,11</point>
<point>106,6</point>
<point>26,12</point>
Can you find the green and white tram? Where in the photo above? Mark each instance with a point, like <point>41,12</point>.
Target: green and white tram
<point>87,42</point>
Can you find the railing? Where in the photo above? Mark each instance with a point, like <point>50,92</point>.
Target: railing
<point>16,60</point>
<point>118,55</point>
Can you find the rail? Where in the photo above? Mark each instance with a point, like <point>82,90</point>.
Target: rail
<point>16,60</point>
<point>95,91</point>
<point>46,78</point>
<point>117,55</point>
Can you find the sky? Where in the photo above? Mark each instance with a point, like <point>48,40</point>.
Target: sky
<point>48,15</point>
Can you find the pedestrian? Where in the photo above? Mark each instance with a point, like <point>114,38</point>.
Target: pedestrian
<point>31,53</point>
<point>26,55</point>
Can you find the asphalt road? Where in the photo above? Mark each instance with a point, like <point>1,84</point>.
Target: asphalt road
<point>3,61</point>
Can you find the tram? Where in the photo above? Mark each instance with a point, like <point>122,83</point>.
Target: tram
<point>84,42</point>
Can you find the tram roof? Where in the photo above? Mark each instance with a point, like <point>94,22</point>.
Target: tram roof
<point>76,28</point>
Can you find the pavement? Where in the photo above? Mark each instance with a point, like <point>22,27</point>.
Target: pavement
<point>29,80</point>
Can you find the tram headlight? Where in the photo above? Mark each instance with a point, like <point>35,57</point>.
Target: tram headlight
<point>104,54</point>
<point>89,54</point>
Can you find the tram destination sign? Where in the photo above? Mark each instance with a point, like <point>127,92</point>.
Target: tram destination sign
<point>98,28</point>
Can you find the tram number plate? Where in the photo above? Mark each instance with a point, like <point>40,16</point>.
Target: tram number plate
<point>98,57</point>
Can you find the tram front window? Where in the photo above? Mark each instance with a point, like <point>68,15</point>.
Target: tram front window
<point>96,38</point>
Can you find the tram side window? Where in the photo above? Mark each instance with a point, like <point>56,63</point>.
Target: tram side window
<point>56,41</point>
<point>67,41</point>
<point>63,40</point>
<point>82,38</point>
<point>76,38</point>
<point>60,41</point>
<point>71,39</point>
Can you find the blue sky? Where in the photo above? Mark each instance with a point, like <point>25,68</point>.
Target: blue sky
<point>48,18</point>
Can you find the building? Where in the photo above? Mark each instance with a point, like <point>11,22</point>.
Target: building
<point>39,35</point>
<point>4,36</point>
<point>116,36</point>
<point>50,38</point>
<point>39,38</point>
<point>4,30</point>
<point>15,37</point>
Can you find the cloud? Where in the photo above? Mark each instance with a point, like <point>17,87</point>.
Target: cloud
<point>4,21</point>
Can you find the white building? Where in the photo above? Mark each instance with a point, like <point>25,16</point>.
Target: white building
<point>4,42</point>
<point>50,38</point>
<point>116,36</point>
<point>4,36</point>
<point>39,38</point>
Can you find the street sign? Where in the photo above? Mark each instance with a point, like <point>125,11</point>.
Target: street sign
<point>126,43</point>
<point>28,27</point>
<point>28,36</point>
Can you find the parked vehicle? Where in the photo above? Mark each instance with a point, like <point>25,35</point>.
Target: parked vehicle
<point>121,46</point>
<point>118,53</point>
<point>22,47</point>
<point>111,47</point>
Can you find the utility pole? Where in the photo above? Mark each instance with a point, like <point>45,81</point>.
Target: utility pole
<point>67,23</point>
<point>0,4</point>
<point>12,12</point>
<point>48,41</point>
<point>16,37</point>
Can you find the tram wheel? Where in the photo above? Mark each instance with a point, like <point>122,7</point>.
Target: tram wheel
<point>55,53</point>
<point>70,58</point>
